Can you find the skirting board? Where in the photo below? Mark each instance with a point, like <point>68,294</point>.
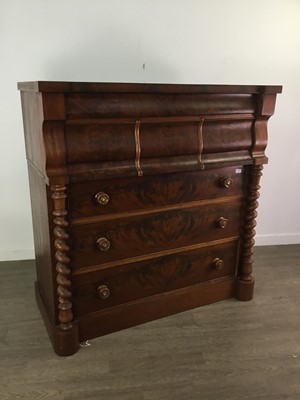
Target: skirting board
<point>260,240</point>
<point>275,240</point>
<point>17,254</point>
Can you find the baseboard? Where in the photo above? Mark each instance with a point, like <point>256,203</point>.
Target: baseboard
<point>271,240</point>
<point>17,254</point>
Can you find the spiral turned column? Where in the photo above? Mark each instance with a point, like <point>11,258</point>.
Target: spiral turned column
<point>65,316</point>
<point>245,284</point>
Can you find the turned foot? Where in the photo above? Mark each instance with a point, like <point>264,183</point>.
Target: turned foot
<point>244,289</point>
<point>65,343</point>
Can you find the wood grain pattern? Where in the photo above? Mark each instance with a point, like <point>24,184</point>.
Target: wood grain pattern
<point>134,281</point>
<point>157,306</point>
<point>104,143</point>
<point>55,148</point>
<point>135,194</point>
<point>42,229</point>
<point>169,230</point>
<point>92,143</point>
<point>90,105</point>
<point>32,110</point>
<point>266,106</point>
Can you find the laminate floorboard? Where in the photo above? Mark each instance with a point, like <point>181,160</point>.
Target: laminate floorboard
<point>229,350</point>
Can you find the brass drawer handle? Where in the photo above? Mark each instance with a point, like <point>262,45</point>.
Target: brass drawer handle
<point>226,182</point>
<point>103,292</point>
<point>102,198</point>
<point>222,222</point>
<point>103,244</point>
<point>218,263</point>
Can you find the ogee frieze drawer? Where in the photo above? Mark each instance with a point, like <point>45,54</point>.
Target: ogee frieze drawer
<point>107,241</point>
<point>109,287</point>
<point>161,145</point>
<point>124,195</point>
<point>93,143</point>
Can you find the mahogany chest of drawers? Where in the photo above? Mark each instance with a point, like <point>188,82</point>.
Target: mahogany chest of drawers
<point>144,199</point>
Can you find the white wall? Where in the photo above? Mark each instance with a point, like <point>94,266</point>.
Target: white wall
<point>179,41</point>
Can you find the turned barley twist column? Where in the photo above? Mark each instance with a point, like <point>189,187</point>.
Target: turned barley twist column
<point>61,255</point>
<point>246,281</point>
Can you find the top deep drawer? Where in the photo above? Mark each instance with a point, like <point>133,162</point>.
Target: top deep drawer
<point>116,105</point>
<point>122,195</point>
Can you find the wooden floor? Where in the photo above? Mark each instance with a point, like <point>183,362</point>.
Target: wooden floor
<point>225,351</point>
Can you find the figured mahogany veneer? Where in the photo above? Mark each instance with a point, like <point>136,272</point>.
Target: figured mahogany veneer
<point>131,194</point>
<point>155,232</point>
<point>131,281</point>
<point>143,197</point>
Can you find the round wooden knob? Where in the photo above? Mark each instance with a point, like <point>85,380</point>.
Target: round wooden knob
<point>222,222</point>
<point>102,198</point>
<point>103,244</point>
<point>226,182</point>
<point>103,292</point>
<point>218,263</point>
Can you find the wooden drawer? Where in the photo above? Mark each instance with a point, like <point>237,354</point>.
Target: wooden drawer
<point>109,241</point>
<point>117,105</point>
<point>138,280</point>
<point>115,141</point>
<point>122,195</point>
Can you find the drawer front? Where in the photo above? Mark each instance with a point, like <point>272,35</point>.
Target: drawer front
<point>117,105</point>
<point>110,287</point>
<point>121,195</point>
<point>109,241</point>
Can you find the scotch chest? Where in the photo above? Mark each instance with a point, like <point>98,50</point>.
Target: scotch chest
<point>144,199</point>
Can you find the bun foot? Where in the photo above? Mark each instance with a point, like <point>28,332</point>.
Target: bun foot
<point>65,343</point>
<point>244,289</point>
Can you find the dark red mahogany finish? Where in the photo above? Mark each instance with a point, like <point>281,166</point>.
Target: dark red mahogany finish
<point>144,199</point>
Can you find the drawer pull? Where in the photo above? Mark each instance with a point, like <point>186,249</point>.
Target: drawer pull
<point>103,244</point>
<point>102,198</point>
<point>103,292</point>
<point>226,182</point>
<point>218,263</point>
<point>222,222</point>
